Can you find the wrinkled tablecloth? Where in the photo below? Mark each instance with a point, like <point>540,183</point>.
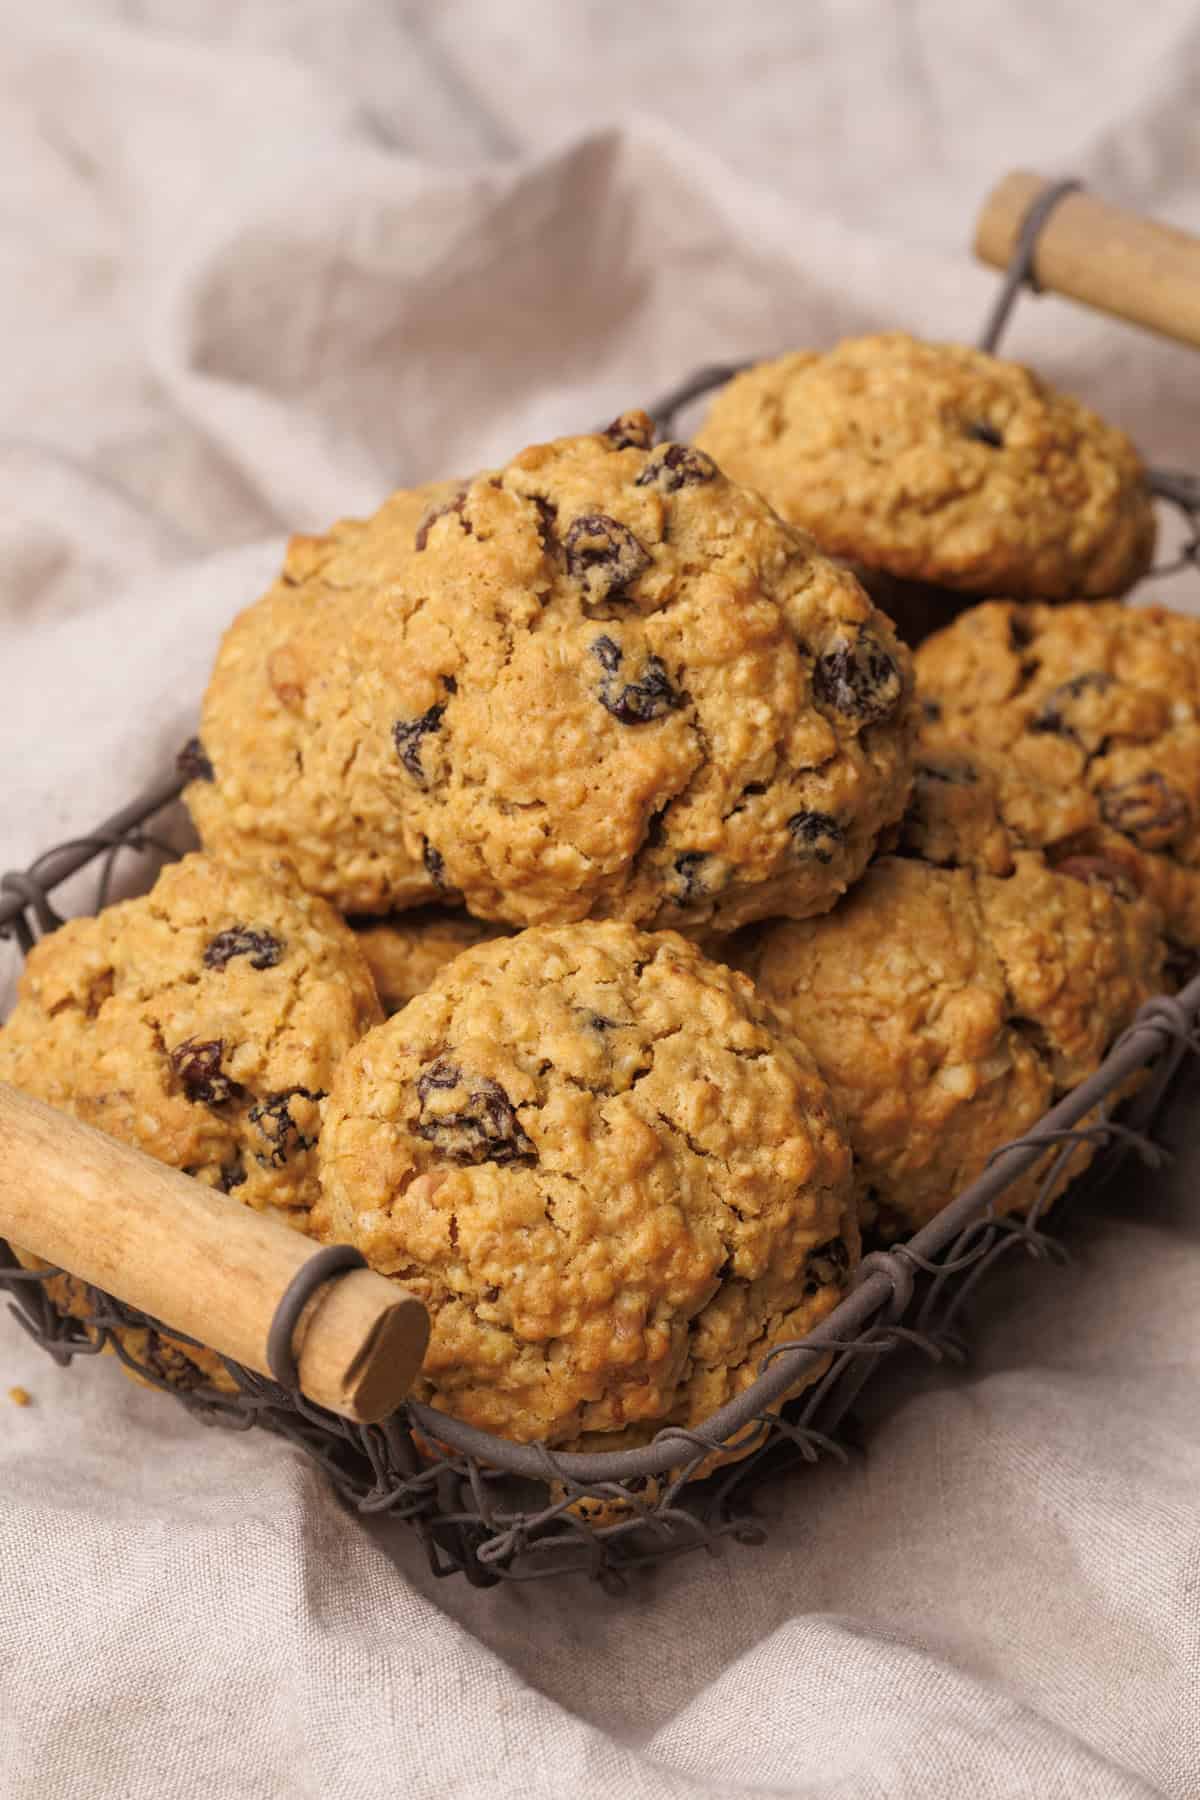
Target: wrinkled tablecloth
<point>262,261</point>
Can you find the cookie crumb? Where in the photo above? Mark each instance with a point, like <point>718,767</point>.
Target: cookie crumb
<point>20,1396</point>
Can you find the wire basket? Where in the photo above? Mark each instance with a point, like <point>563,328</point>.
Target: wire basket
<point>493,1510</point>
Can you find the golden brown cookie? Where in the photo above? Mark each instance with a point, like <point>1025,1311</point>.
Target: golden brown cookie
<point>615,684</point>
<point>282,766</point>
<point>612,1175</point>
<point>1084,723</point>
<point>406,952</point>
<point>948,1010</point>
<point>201,1023</point>
<point>940,464</point>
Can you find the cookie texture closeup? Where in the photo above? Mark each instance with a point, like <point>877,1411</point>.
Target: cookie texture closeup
<point>614,1178</point>
<point>948,1010</point>
<point>404,953</point>
<point>201,1023</point>
<point>1083,722</point>
<point>281,766</point>
<point>942,464</point>
<point>612,683</point>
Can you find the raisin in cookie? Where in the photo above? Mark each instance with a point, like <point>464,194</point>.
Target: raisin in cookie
<point>406,952</point>
<point>940,464</point>
<point>1085,722</point>
<point>281,767</point>
<point>948,1010</point>
<point>613,683</point>
<point>612,1175</point>
<point>202,1023</point>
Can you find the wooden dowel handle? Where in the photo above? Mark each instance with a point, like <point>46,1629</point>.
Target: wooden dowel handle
<point>199,1260</point>
<point>1092,251</point>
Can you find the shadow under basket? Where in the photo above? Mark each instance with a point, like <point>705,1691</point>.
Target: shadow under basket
<point>493,1510</point>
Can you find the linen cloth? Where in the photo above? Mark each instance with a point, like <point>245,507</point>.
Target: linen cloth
<point>262,261</point>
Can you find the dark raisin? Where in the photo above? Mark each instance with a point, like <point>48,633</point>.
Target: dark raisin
<point>262,947</point>
<point>1147,809</point>
<point>607,654</point>
<point>491,1295</point>
<point>981,431</point>
<point>676,466</point>
<point>481,1127</point>
<point>931,710</point>
<point>440,1076</point>
<point>691,881</point>
<point>604,557</point>
<point>198,1065</point>
<point>232,1176</point>
<point>630,431</point>
<point>816,834</point>
<point>634,702</point>
<point>454,505</point>
<point>1054,712</point>
<point>858,678</point>
<point>435,864</point>
<point>597,1022</point>
<point>192,762</point>
<point>408,733</point>
<point>275,1122</point>
<point>827,1265</point>
<point>1104,869</point>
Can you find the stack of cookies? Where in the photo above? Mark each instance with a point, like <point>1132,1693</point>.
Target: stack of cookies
<point>600,926</point>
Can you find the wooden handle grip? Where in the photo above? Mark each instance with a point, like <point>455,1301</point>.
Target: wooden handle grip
<point>1089,250</point>
<point>199,1260</point>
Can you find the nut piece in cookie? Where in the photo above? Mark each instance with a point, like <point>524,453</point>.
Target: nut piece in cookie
<point>613,1176</point>
<point>948,1010</point>
<point>280,768</point>
<point>939,464</point>
<point>1086,720</point>
<point>613,679</point>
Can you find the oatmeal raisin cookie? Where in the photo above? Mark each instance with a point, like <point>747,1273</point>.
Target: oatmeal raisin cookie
<point>937,463</point>
<point>614,1178</point>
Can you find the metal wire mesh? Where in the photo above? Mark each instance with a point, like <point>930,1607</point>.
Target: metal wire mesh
<point>492,1510</point>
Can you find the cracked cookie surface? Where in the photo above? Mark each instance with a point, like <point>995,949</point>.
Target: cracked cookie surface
<point>949,1009</point>
<point>938,463</point>
<point>281,766</point>
<point>1084,723</point>
<point>201,1023</point>
<point>614,684</point>
<point>612,1175</point>
<point>406,952</point>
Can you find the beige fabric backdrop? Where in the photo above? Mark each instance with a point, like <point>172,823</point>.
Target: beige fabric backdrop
<point>262,260</point>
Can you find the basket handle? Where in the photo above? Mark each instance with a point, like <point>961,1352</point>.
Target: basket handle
<point>1090,250</point>
<point>203,1263</point>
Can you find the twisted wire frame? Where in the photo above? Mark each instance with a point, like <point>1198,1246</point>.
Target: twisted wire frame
<point>493,1510</point>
